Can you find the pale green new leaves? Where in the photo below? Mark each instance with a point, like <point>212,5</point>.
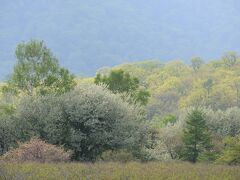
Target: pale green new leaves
<point>37,71</point>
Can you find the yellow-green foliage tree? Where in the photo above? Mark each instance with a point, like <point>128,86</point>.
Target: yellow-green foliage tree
<point>231,154</point>
<point>174,86</point>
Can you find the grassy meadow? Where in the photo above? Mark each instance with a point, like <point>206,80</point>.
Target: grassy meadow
<point>121,171</point>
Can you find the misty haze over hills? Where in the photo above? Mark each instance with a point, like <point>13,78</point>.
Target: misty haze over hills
<point>86,35</point>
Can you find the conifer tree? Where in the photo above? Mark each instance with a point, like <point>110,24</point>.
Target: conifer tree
<point>196,138</point>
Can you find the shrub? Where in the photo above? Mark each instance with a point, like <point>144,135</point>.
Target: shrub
<point>7,130</point>
<point>88,120</point>
<point>37,150</point>
<point>116,156</point>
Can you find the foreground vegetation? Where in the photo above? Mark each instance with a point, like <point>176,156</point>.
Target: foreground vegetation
<point>133,170</point>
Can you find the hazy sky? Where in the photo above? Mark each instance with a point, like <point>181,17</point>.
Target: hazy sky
<point>88,34</point>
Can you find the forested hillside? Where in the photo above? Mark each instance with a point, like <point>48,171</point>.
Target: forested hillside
<point>86,35</point>
<point>175,85</point>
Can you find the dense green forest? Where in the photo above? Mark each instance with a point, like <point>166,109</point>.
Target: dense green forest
<point>144,111</point>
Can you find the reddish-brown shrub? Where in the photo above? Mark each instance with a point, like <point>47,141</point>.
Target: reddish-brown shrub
<point>37,150</point>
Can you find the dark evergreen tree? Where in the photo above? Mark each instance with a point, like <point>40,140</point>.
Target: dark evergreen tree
<point>196,138</point>
<point>119,81</point>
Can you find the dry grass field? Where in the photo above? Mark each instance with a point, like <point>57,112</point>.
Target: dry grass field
<point>107,171</point>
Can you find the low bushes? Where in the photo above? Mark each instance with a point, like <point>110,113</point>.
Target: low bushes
<point>116,156</point>
<point>37,150</point>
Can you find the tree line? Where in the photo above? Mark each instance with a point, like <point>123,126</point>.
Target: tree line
<point>118,111</point>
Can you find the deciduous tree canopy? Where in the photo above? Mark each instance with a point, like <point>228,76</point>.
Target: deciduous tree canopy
<point>37,71</point>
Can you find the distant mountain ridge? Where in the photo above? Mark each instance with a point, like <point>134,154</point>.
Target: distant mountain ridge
<point>86,35</point>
